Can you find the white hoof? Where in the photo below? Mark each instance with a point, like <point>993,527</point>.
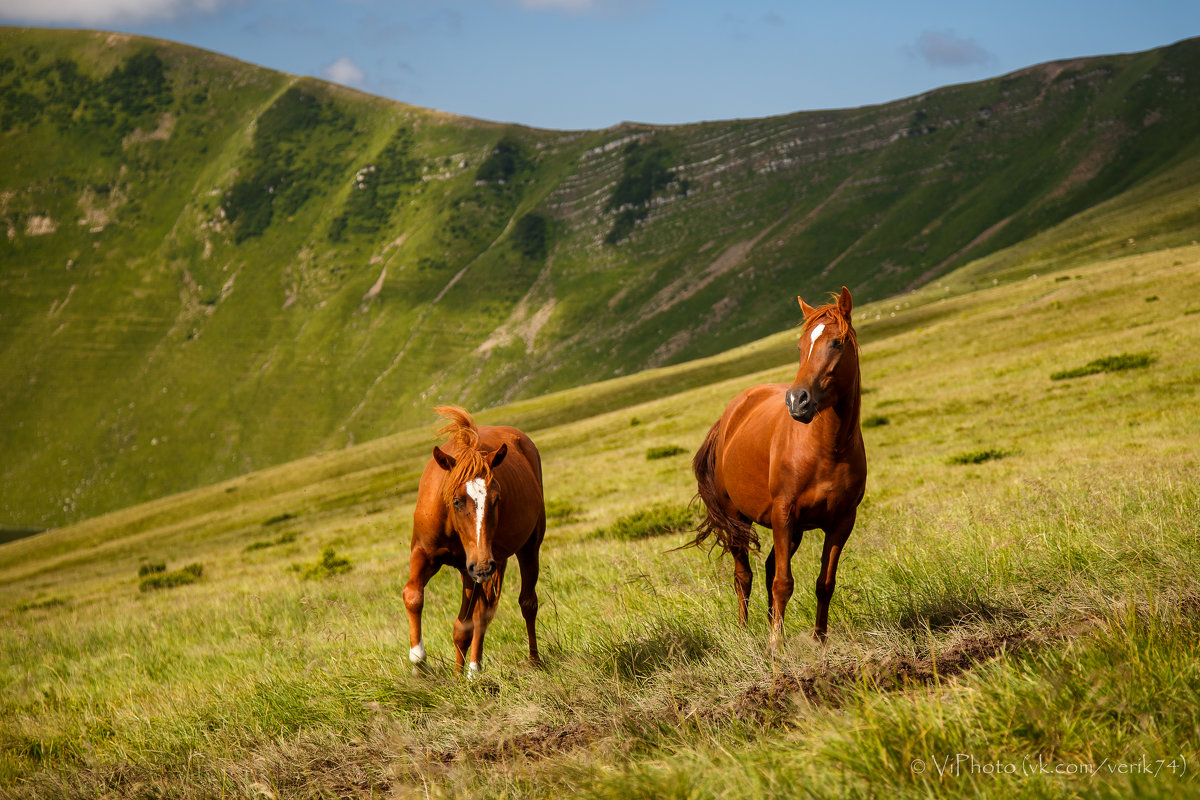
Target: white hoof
<point>416,655</point>
<point>473,670</point>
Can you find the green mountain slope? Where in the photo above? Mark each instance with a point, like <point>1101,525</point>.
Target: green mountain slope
<point>210,267</point>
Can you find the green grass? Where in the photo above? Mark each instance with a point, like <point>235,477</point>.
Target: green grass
<point>1042,607</point>
<point>1037,607</point>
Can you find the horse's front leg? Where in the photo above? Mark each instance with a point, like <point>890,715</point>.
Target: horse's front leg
<point>781,582</point>
<point>485,609</point>
<point>769,571</point>
<point>421,568</point>
<point>835,540</point>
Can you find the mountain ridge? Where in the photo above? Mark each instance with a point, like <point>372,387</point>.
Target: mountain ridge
<point>211,267</point>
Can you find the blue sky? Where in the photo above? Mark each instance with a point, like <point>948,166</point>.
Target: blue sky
<point>593,63</point>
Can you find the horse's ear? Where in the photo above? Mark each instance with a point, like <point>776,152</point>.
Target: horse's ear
<point>805,308</point>
<point>444,460</point>
<point>498,456</point>
<point>844,302</point>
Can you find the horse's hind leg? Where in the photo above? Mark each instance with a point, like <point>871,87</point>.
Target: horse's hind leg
<point>529,563</point>
<point>743,578</point>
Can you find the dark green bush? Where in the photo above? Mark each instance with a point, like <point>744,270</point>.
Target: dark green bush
<point>530,236</point>
<point>150,569</point>
<point>1107,364</point>
<point>294,153</point>
<point>330,563</point>
<point>665,451</point>
<point>875,421</point>
<point>978,456</point>
<point>167,580</point>
<point>505,163</point>
<point>645,172</point>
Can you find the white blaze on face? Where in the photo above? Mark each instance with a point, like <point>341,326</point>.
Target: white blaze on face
<point>477,491</point>
<point>816,334</point>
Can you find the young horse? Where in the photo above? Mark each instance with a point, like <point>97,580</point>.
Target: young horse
<point>790,458</point>
<point>479,502</point>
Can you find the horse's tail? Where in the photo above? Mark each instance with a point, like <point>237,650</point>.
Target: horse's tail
<point>728,531</point>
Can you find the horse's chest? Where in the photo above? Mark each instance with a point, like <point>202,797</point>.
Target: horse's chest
<point>822,492</point>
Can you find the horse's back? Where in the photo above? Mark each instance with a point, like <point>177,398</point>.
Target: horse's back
<point>492,436</point>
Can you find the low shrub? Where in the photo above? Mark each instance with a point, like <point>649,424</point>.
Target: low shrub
<point>168,580</point>
<point>978,456</point>
<point>330,563</point>
<point>1107,364</point>
<point>666,451</point>
<point>262,544</point>
<point>657,520</point>
<point>875,421</point>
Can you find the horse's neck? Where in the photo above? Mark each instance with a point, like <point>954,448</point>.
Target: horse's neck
<point>838,431</point>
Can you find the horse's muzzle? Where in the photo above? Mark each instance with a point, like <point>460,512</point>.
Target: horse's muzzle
<point>800,404</point>
<point>480,572</point>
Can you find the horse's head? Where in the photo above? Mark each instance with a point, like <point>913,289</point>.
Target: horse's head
<point>828,358</point>
<point>471,494</point>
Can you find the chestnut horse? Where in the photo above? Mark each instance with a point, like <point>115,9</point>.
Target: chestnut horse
<point>479,502</point>
<point>791,458</point>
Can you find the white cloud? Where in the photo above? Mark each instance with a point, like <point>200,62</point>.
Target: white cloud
<point>99,12</point>
<point>345,72</point>
<point>948,49</point>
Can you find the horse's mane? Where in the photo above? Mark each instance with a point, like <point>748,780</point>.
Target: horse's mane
<point>471,461</point>
<point>823,315</point>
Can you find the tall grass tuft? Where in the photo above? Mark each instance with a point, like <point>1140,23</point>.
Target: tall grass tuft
<point>657,520</point>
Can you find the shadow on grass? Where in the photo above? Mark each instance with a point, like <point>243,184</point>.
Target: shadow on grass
<point>660,646</point>
<point>951,611</point>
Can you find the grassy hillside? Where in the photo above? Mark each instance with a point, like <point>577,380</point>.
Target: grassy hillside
<point>1020,589</point>
<point>210,268</point>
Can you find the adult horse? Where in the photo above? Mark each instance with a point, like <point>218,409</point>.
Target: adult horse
<point>479,502</point>
<point>791,458</point>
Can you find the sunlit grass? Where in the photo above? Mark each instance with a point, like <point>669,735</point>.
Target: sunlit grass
<point>1036,605</point>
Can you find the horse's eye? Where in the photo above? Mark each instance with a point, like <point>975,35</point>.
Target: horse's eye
<point>459,504</point>
<point>838,343</point>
